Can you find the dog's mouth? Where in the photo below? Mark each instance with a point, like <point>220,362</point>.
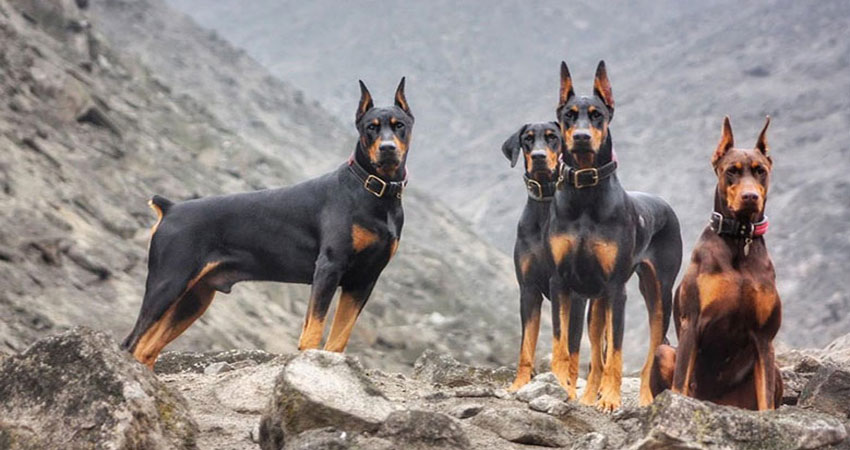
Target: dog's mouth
<point>542,173</point>
<point>585,156</point>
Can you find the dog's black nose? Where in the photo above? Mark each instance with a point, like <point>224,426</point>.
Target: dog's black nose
<point>538,156</point>
<point>581,136</point>
<point>750,197</point>
<point>387,147</point>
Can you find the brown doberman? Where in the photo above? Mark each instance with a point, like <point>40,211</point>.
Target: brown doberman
<point>727,310</point>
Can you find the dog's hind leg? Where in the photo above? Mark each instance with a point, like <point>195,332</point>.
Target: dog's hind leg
<point>661,374</point>
<point>151,336</point>
<point>348,308</point>
<point>595,330</point>
<point>530,300</point>
<point>650,288</point>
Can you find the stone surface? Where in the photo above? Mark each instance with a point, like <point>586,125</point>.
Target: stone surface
<point>180,362</point>
<point>549,404</point>
<point>466,410</point>
<point>423,429</point>
<point>523,426</point>
<point>78,390</point>
<point>538,388</point>
<point>674,421</point>
<point>829,391</point>
<point>328,438</point>
<point>318,389</point>
<point>443,369</point>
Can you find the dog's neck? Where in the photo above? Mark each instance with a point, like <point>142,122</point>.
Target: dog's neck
<point>363,160</point>
<point>601,197</point>
<point>741,247</point>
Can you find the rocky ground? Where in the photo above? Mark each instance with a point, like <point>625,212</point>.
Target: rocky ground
<point>77,390</point>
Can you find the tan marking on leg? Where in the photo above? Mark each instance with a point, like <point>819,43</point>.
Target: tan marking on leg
<point>311,332</point>
<point>527,350</point>
<point>606,254</point>
<point>651,291</point>
<point>609,392</point>
<point>572,392</point>
<point>362,238</point>
<point>560,349</point>
<point>594,331</point>
<point>168,328</point>
<point>347,311</point>
<point>560,244</point>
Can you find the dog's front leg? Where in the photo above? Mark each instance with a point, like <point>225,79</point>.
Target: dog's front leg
<point>351,303</point>
<point>325,281</point>
<point>685,357</point>
<point>764,375</point>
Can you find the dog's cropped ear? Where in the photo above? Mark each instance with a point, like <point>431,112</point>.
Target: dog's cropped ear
<point>726,142</point>
<point>400,99</point>
<point>365,102</point>
<point>602,88</point>
<point>566,86</point>
<point>511,148</point>
<point>761,143</point>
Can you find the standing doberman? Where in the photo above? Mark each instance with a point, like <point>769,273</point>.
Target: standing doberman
<point>540,144</point>
<point>598,235</point>
<point>336,230</point>
<point>727,310</point>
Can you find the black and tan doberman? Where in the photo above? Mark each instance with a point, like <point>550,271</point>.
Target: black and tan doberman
<point>336,230</point>
<point>541,145</point>
<point>727,310</point>
<point>598,235</point>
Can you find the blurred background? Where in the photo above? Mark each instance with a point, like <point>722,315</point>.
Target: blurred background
<point>106,102</point>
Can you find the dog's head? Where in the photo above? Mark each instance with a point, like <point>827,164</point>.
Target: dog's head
<point>384,132</point>
<point>584,120</point>
<point>743,175</point>
<point>540,143</point>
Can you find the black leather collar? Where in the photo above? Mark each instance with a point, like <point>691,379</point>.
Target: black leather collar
<point>732,227</point>
<point>583,178</point>
<point>537,190</point>
<point>376,185</point>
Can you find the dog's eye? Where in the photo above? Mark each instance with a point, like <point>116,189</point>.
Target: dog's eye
<point>758,170</point>
<point>528,138</point>
<point>571,114</point>
<point>372,127</point>
<point>550,137</point>
<point>398,126</point>
<point>595,115</point>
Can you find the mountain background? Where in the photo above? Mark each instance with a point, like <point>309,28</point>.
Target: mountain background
<point>107,102</point>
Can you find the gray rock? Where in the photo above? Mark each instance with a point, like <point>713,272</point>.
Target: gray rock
<point>217,368</point>
<point>549,404</point>
<point>181,362</point>
<point>829,391</point>
<point>466,411</point>
<point>318,389</point>
<point>591,441</point>
<point>523,426</point>
<point>443,369</point>
<point>474,391</point>
<point>327,438</point>
<point>675,421</point>
<point>78,390</point>
<point>537,388</point>
<point>413,429</point>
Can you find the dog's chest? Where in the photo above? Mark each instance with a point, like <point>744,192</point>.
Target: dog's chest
<point>737,293</point>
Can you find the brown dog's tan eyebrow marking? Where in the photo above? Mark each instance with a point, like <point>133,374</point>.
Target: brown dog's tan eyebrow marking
<point>376,122</point>
<point>393,120</point>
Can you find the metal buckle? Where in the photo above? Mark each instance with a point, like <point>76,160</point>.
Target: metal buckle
<point>578,173</point>
<point>717,217</point>
<point>375,193</point>
<point>528,185</point>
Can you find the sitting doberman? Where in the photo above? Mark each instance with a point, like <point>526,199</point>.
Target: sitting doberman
<point>727,310</point>
<point>336,230</point>
<point>540,144</point>
<point>598,235</point>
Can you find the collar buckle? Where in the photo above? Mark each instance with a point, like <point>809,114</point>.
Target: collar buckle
<point>716,222</point>
<point>594,177</point>
<point>376,192</point>
<point>534,188</point>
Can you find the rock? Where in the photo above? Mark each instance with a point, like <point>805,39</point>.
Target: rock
<point>829,391</point>
<point>591,441</point>
<point>318,389</point>
<point>523,426</point>
<point>327,438</point>
<point>549,404</point>
<point>839,349</point>
<point>474,391</point>
<point>466,410</point>
<point>443,369</point>
<point>675,421</point>
<point>180,362</point>
<point>78,390</point>
<point>537,388</point>
<point>217,368</point>
<point>413,429</point>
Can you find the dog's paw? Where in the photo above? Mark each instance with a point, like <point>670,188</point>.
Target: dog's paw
<point>609,402</point>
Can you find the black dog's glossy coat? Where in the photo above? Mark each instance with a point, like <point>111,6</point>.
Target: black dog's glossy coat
<point>598,235</point>
<point>329,231</point>
<point>541,145</point>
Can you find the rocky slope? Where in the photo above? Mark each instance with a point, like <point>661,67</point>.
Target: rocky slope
<point>95,119</point>
<point>677,68</point>
<point>79,390</point>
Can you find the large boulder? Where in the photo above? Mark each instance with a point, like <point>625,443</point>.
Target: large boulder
<point>412,429</point>
<point>677,422</point>
<point>524,426</point>
<point>317,389</point>
<point>78,390</point>
<point>437,368</point>
<point>829,391</point>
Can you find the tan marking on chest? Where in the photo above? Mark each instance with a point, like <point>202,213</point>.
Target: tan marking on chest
<point>714,287</point>
<point>362,238</point>
<point>561,244</point>
<point>764,300</point>
<point>606,254</point>
<point>393,247</point>
<point>525,263</point>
